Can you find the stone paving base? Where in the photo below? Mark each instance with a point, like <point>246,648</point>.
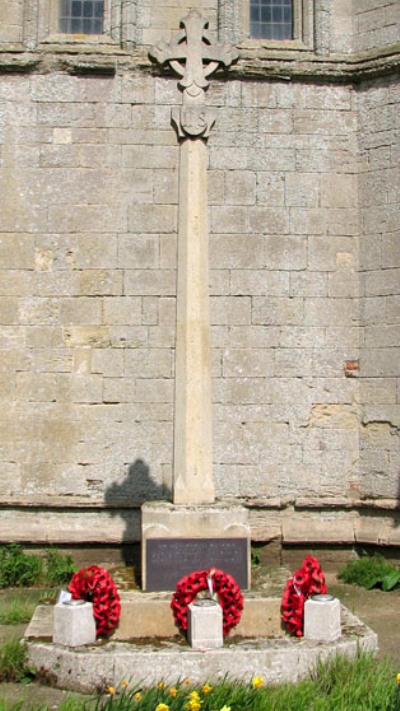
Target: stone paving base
<point>92,668</point>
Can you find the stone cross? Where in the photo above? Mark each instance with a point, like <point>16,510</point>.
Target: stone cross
<point>193,57</point>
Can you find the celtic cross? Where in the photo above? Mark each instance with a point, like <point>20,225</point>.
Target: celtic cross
<point>194,58</point>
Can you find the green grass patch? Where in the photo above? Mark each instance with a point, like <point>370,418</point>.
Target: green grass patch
<point>58,567</point>
<point>20,569</point>
<point>17,569</point>
<point>364,684</point>
<point>13,661</point>
<point>370,572</point>
<point>16,613</point>
<point>342,684</point>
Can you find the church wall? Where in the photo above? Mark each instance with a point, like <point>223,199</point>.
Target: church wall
<point>377,23</point>
<point>11,17</point>
<point>88,253</point>
<point>380,279</point>
<point>284,253</point>
<point>303,214</point>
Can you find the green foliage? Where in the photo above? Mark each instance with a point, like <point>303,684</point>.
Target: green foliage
<point>363,684</point>
<point>341,684</point>
<point>17,613</point>
<point>255,557</point>
<point>13,661</point>
<point>59,567</point>
<point>17,569</point>
<point>370,572</point>
<point>5,706</point>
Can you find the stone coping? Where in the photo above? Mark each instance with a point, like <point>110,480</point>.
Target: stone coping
<point>254,64</point>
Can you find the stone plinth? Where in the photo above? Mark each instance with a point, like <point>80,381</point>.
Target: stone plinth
<point>74,624</point>
<point>179,539</point>
<point>205,625</point>
<point>149,615</point>
<point>277,660</point>
<point>322,618</point>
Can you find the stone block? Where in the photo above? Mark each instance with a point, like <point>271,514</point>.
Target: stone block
<point>322,618</point>
<point>177,539</point>
<point>302,189</point>
<point>286,252</point>
<point>150,282</point>
<point>74,624</point>
<point>205,624</point>
<point>240,362</point>
<point>230,310</point>
<point>236,251</point>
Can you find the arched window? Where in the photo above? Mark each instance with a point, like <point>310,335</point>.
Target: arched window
<point>271,19</point>
<point>81,17</point>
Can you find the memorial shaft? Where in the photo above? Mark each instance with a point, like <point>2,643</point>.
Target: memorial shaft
<point>193,57</point>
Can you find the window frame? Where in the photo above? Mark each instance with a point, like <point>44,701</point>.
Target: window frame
<point>119,25</point>
<point>259,23</point>
<point>234,26</point>
<point>71,17</point>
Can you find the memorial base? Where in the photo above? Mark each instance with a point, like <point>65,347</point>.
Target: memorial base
<point>178,539</point>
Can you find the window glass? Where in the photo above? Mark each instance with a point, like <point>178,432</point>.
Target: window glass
<point>81,17</point>
<point>271,19</point>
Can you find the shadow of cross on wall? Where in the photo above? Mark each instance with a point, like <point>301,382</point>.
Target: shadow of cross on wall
<point>124,498</point>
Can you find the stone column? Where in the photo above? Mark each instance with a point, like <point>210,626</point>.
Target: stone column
<point>193,57</point>
<point>193,476</point>
<point>194,532</point>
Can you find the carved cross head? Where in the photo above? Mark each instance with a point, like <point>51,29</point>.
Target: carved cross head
<point>192,55</point>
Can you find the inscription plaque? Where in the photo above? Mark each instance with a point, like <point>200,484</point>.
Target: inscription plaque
<point>169,559</point>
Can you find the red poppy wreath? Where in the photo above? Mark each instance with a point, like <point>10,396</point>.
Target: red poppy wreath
<point>308,580</point>
<point>95,585</point>
<point>224,585</point>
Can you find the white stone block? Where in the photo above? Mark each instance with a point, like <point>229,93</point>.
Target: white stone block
<point>205,624</point>
<point>74,624</point>
<point>322,618</point>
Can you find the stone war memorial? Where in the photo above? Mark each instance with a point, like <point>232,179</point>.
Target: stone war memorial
<point>199,313</point>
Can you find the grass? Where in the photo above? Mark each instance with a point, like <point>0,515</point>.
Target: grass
<point>370,572</point>
<point>19,569</point>
<point>340,685</point>
<point>13,661</point>
<point>17,607</point>
<point>17,613</point>
<point>363,684</point>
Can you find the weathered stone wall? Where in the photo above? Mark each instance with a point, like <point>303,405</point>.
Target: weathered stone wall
<point>303,195</point>
<point>376,23</point>
<point>284,275</point>
<point>380,274</point>
<point>11,21</point>
<point>88,208</point>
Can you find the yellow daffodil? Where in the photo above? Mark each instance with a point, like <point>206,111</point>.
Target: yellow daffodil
<point>398,678</point>
<point>186,680</point>
<point>162,707</point>
<point>173,691</point>
<point>193,705</point>
<point>111,690</point>
<point>138,696</point>
<point>206,688</point>
<point>194,696</point>
<point>160,685</point>
<point>226,708</point>
<point>257,682</point>
<point>124,683</point>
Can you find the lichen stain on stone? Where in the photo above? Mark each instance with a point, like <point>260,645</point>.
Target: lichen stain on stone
<point>335,416</point>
